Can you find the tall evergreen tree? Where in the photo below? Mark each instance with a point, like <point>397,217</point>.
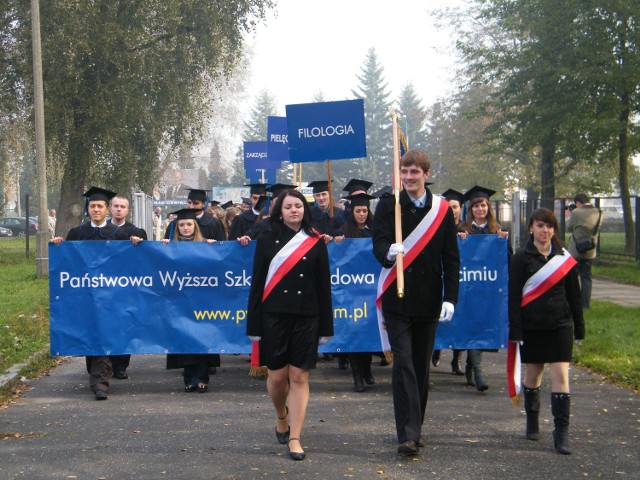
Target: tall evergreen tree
<point>377,167</point>
<point>413,117</point>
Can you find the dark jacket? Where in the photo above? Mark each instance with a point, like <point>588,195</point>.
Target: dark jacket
<point>242,224</point>
<point>87,232</point>
<point>305,290</point>
<point>433,277</point>
<point>323,223</point>
<point>131,230</point>
<point>560,306</point>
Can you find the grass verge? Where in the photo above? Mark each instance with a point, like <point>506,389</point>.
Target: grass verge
<point>611,347</point>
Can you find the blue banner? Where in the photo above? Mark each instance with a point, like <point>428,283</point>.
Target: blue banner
<point>114,297</point>
<point>277,139</point>
<point>326,131</point>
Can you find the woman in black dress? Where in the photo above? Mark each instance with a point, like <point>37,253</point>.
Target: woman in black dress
<point>545,315</point>
<point>289,311</point>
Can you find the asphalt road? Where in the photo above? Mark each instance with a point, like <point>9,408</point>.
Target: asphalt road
<point>150,429</point>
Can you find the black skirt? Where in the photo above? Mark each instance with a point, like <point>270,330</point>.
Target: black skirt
<point>547,346</point>
<point>289,340</point>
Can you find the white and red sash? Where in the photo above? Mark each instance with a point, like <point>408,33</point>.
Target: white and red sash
<point>545,278</point>
<point>538,284</point>
<point>286,259</point>
<point>415,242</point>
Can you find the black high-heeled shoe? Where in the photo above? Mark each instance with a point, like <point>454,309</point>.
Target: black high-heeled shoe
<point>283,437</point>
<point>296,455</point>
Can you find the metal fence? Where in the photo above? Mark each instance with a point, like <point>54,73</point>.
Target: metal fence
<point>612,231</point>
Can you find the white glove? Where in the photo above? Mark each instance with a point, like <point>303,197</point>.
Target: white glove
<point>254,339</point>
<point>323,340</point>
<point>394,250</point>
<point>446,314</point>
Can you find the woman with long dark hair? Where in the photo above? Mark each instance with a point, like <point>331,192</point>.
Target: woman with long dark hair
<point>545,315</point>
<point>289,311</point>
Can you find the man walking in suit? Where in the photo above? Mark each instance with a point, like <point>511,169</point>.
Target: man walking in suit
<point>431,275</point>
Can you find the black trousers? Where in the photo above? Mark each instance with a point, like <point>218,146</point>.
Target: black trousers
<point>411,341</point>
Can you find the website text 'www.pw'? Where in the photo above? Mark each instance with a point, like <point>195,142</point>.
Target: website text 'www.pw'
<point>237,316</point>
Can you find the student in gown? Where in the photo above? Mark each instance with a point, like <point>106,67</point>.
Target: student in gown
<point>195,366</point>
<point>97,227</point>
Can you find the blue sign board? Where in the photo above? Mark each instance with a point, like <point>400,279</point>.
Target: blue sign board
<point>326,131</point>
<point>277,139</point>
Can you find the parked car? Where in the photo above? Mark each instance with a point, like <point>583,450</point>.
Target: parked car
<point>5,232</point>
<point>18,225</point>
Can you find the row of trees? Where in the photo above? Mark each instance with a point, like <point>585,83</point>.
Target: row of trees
<point>555,86</point>
<point>125,83</point>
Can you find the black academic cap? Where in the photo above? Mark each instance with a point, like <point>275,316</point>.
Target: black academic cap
<point>260,204</point>
<point>277,188</point>
<point>385,191</point>
<point>355,184</point>
<point>214,203</point>
<point>478,192</point>
<point>187,213</point>
<point>319,186</point>
<point>360,200</point>
<point>197,194</point>
<point>451,194</point>
<point>246,200</point>
<point>257,188</point>
<point>97,193</point>
<point>226,205</point>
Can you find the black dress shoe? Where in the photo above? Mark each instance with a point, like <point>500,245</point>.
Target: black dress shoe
<point>120,375</point>
<point>421,441</point>
<point>101,395</point>
<point>190,388</point>
<point>369,380</point>
<point>283,437</point>
<point>435,358</point>
<point>296,455</point>
<point>410,447</point>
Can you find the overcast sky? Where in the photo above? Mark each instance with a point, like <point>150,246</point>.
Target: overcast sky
<point>309,47</point>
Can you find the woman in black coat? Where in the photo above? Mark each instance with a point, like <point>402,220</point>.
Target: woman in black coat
<point>290,311</point>
<point>547,323</point>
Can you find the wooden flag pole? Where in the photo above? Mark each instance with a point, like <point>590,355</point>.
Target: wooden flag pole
<point>330,189</point>
<point>398,212</point>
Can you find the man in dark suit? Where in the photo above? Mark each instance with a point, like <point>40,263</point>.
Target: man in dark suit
<point>324,219</point>
<point>431,273</point>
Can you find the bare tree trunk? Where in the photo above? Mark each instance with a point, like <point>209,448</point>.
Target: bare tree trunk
<point>547,175</point>
<point>71,208</point>
<point>623,179</point>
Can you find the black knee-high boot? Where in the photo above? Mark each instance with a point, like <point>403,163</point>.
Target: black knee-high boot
<point>478,372</point>
<point>532,407</point>
<point>358,381</point>
<point>561,408</point>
